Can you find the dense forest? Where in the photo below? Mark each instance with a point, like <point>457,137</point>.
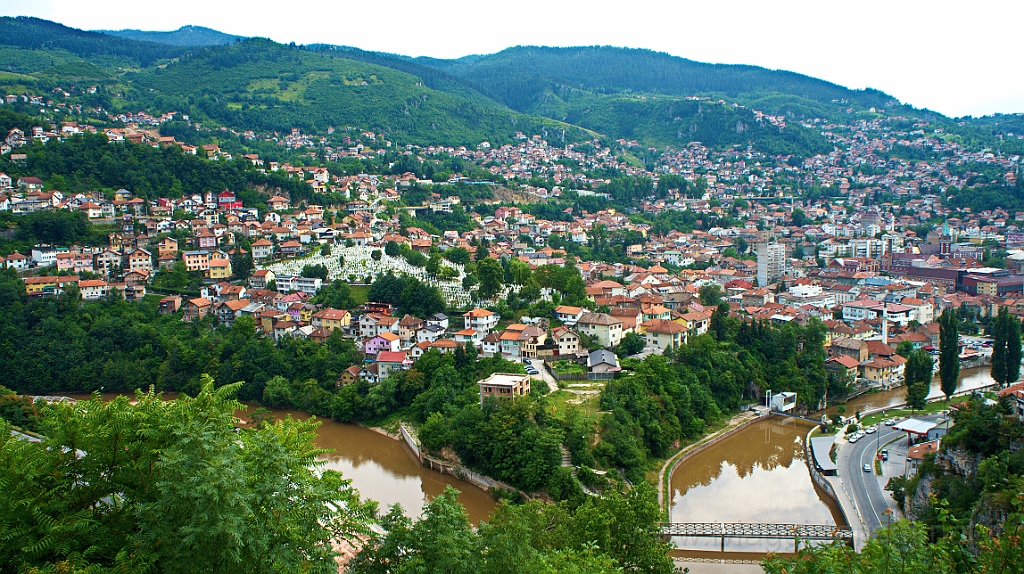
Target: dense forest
<point>89,162</point>
<point>28,32</point>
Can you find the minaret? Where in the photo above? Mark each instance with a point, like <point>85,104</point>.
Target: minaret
<point>885,324</point>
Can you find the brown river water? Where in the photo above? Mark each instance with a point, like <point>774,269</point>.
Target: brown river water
<point>756,475</point>
<point>379,467</point>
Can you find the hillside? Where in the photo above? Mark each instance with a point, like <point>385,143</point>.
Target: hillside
<point>261,85</point>
<point>37,34</point>
<point>566,94</point>
<point>184,36</point>
<point>519,76</point>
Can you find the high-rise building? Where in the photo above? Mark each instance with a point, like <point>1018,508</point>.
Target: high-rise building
<point>771,263</point>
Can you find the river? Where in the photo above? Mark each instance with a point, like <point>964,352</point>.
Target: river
<point>379,467</point>
<point>970,379</point>
<point>755,475</point>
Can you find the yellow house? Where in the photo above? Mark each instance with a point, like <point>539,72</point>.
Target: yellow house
<point>52,284</point>
<point>332,319</point>
<point>219,269</point>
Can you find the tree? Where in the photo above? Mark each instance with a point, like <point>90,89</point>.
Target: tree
<point>491,277</point>
<point>171,486</point>
<point>1006,349</point>
<point>242,265</point>
<point>318,270</point>
<point>375,255</point>
<point>631,344</point>
<point>949,352</point>
<point>917,377</point>
<point>710,294</point>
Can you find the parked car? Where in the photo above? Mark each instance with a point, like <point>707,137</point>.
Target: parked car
<point>532,371</point>
<point>867,468</point>
<point>885,454</point>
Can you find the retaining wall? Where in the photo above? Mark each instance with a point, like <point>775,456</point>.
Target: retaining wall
<point>820,479</point>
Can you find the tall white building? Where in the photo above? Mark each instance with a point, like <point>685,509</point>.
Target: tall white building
<point>771,263</point>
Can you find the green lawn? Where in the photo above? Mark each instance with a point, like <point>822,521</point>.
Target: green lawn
<point>359,293</point>
<point>568,368</point>
<point>930,408</point>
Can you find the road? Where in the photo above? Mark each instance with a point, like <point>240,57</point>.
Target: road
<point>866,488</point>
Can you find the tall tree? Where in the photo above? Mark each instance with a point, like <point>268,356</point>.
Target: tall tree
<point>171,486</point>
<point>1006,350</point>
<point>918,375</point>
<point>491,276</point>
<point>949,351</point>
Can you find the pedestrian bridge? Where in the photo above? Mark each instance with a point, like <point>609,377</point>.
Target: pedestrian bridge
<point>725,530</point>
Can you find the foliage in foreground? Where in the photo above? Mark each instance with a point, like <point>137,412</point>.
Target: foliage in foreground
<point>170,486</point>
<point>904,547</point>
<point>615,533</point>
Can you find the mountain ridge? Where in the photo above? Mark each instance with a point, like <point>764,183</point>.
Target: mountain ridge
<point>188,35</point>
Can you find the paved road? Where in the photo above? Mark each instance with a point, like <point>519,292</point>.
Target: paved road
<point>865,487</point>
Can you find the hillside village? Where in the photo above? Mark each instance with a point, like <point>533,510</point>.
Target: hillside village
<point>849,257</point>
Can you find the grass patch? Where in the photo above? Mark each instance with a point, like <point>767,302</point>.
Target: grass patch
<point>930,408</point>
<point>558,402</point>
<point>568,368</point>
<point>359,293</point>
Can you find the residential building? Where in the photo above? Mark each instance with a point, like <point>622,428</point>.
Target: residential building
<point>504,385</point>
<point>602,328</point>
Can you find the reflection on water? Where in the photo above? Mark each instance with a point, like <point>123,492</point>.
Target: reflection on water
<point>755,475</point>
<point>386,470</point>
<point>970,379</point>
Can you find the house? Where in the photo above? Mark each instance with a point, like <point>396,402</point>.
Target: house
<point>662,334</point>
<point>291,249</point>
<point>136,278</point>
<point>92,289</point>
<point>16,261</point>
<point>883,371</point>
<point>521,340</point>
<point>917,454</point>
<point>504,385</point>
<point>566,340</point>
<point>261,278</point>
<point>196,309</point>
<point>386,341</point>
<point>277,203</point>
<point>856,349</point>
<point>219,270</point>
<point>569,315</point>
<point>169,305</point>
<point>196,260</point>
<point>481,320</point>
<point>349,376</point>
<point>389,362</point>
<point>332,319</point>
<point>603,361</point>
<point>47,285</point>
<point>439,319</point>
<point>371,324</point>
<point>602,328</point>
<point>1015,392</point>
<point>430,333</point>
<point>842,367</point>
<point>262,249</point>
<point>408,326</point>
<point>167,246</point>
<point>139,260</point>
<point>227,311</point>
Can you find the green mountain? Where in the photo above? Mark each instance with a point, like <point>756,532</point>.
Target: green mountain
<point>567,94</point>
<point>184,36</point>
<point>261,85</point>
<point>37,34</point>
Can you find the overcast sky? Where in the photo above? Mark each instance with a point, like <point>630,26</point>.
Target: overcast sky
<point>958,58</point>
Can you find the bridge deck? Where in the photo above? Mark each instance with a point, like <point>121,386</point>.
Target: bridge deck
<point>757,530</point>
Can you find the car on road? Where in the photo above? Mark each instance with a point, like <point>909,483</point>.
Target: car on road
<point>885,454</point>
<point>871,430</point>
<point>532,371</point>
<point>855,437</point>
<point>889,422</point>
<point>867,468</point>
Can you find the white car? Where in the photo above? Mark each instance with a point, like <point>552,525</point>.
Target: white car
<point>871,430</point>
<point>855,437</point>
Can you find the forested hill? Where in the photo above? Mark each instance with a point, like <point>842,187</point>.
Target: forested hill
<point>519,76</point>
<point>34,33</point>
<point>184,36</point>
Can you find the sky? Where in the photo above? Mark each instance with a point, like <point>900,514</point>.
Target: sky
<point>958,58</point>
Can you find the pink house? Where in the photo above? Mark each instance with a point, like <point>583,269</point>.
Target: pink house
<point>384,342</point>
